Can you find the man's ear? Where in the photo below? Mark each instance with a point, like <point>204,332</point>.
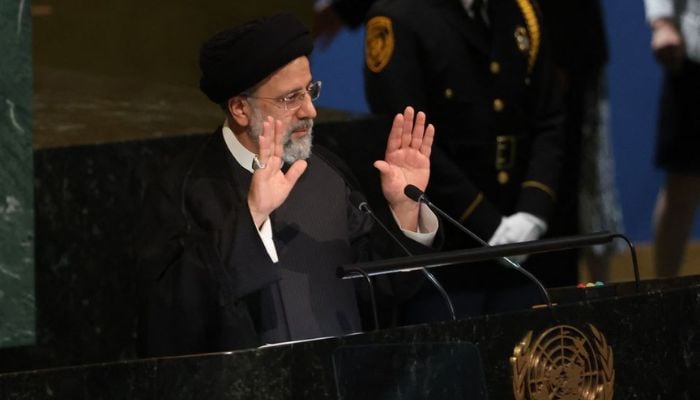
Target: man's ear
<point>238,109</point>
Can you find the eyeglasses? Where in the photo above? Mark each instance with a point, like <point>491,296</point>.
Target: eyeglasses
<point>294,100</point>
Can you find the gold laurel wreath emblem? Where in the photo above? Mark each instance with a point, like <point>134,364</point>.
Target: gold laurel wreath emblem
<point>379,43</point>
<point>563,363</point>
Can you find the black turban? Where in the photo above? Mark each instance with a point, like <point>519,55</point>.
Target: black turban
<point>238,58</point>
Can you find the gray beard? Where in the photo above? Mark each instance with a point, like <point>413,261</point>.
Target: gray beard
<point>293,149</point>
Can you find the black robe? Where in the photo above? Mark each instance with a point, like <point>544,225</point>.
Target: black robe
<point>207,282</point>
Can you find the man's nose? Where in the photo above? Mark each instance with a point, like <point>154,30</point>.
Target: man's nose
<point>307,109</point>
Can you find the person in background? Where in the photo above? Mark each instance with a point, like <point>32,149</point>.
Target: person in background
<point>243,235</point>
<point>675,26</point>
<point>483,72</point>
<point>588,199</point>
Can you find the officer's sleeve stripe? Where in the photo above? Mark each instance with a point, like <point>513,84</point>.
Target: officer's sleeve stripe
<point>470,210</point>
<point>541,186</point>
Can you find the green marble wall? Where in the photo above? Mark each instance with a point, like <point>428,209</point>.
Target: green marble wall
<point>17,301</point>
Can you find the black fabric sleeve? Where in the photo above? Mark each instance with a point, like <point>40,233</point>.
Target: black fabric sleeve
<point>538,192</point>
<point>188,282</point>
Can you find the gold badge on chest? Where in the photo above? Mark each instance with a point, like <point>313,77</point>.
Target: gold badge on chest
<point>379,43</point>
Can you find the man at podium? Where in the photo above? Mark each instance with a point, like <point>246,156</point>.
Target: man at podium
<point>242,235</point>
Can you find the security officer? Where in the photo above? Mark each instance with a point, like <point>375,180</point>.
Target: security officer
<point>481,70</point>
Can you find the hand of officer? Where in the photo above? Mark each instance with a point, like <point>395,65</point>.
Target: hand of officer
<point>519,227</point>
<point>406,161</point>
<point>270,186</point>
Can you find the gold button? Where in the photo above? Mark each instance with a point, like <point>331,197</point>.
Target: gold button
<point>495,67</point>
<point>448,93</point>
<point>503,177</point>
<point>498,105</point>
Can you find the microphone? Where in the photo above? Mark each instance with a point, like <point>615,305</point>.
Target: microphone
<point>357,200</point>
<point>417,195</point>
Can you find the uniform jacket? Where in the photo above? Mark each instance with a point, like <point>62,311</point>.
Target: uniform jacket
<point>488,92</point>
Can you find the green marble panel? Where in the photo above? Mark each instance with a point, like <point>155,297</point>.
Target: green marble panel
<point>17,300</point>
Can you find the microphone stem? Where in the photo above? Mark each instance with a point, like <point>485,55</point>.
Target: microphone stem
<point>453,221</point>
<point>506,261</point>
<point>429,275</point>
<point>372,299</point>
<point>635,264</point>
<point>442,291</point>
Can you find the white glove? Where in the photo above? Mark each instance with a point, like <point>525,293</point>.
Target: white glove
<point>519,227</point>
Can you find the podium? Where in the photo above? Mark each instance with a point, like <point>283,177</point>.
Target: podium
<point>597,343</point>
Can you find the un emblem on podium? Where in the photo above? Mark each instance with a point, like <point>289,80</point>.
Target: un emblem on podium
<point>563,363</point>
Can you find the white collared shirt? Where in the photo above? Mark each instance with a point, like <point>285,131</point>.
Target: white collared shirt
<point>244,157</point>
<point>467,4</point>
